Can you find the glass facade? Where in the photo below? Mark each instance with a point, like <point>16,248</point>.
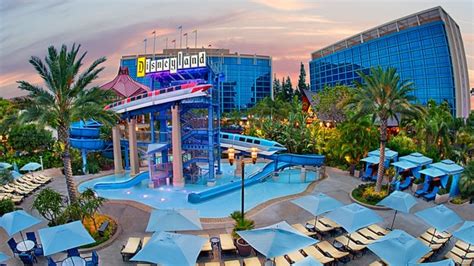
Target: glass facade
<point>420,54</point>
<point>244,79</point>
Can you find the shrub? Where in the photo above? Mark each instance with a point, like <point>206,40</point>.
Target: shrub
<point>50,205</point>
<point>366,193</point>
<point>420,180</point>
<point>240,224</point>
<point>6,206</point>
<point>443,191</point>
<point>402,143</point>
<point>5,176</point>
<point>458,200</point>
<point>29,138</point>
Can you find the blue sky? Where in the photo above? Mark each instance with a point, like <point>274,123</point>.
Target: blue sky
<point>287,30</point>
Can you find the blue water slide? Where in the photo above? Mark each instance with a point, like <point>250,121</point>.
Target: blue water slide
<point>128,183</point>
<point>300,159</point>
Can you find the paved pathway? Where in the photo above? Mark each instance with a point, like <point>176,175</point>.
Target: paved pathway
<point>133,217</point>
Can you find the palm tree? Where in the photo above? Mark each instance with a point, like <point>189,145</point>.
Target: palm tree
<point>383,96</point>
<point>64,98</point>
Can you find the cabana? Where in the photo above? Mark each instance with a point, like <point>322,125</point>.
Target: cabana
<point>451,169</point>
<point>405,170</point>
<point>371,164</point>
<point>390,156</point>
<point>430,186</point>
<point>419,159</point>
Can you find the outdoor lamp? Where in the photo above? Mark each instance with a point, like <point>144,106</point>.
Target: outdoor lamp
<point>231,154</point>
<point>253,154</point>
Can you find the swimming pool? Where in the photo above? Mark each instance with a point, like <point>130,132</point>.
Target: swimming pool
<point>287,183</point>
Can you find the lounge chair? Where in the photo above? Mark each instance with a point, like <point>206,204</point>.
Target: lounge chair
<point>462,253</point>
<point>350,244</point>
<point>433,239</point>
<point>328,222</point>
<point>405,183</point>
<point>369,234</point>
<point>253,261</point>
<point>34,180</point>
<point>378,230</point>
<point>295,256</point>
<point>214,263</point>
<point>7,189</point>
<point>133,245</point>
<point>28,183</point>
<point>43,177</point>
<point>331,251</point>
<point>317,255</point>
<point>433,246</point>
<point>300,228</point>
<point>145,240</point>
<point>282,261</point>
<point>458,260</point>
<point>464,246</point>
<point>227,243</point>
<point>232,263</point>
<point>15,198</point>
<point>206,247</point>
<point>321,227</point>
<point>423,191</point>
<point>438,233</point>
<point>426,257</point>
<point>377,263</point>
<point>431,195</point>
<point>358,238</point>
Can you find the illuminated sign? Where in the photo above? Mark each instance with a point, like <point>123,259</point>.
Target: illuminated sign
<point>172,64</point>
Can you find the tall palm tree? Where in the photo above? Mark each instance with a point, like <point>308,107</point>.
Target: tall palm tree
<point>64,98</point>
<point>383,96</point>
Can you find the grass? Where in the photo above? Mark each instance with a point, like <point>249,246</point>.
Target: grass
<point>365,193</point>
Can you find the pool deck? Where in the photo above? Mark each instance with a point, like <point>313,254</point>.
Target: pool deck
<point>133,217</point>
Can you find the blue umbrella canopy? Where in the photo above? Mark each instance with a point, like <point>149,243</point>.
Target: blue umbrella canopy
<point>31,167</point>
<point>466,232</point>
<point>317,204</point>
<point>308,261</point>
<point>448,262</point>
<point>169,249</point>
<point>352,217</point>
<point>5,165</point>
<point>276,240</point>
<point>174,220</point>
<point>399,248</point>
<point>3,257</point>
<point>399,201</point>
<point>440,217</point>
<point>16,175</point>
<point>16,221</point>
<point>15,167</point>
<point>62,237</point>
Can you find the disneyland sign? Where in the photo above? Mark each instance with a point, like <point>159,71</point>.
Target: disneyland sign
<point>172,64</point>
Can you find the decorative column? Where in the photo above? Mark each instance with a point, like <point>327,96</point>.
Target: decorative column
<point>178,179</point>
<point>118,168</point>
<point>132,141</point>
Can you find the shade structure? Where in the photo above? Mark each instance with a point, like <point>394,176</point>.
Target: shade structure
<point>5,165</point>
<point>448,167</point>
<point>399,248</point>
<point>433,172</point>
<point>398,201</point>
<point>317,204</point>
<point>352,217</point>
<point>16,221</point>
<point>124,86</point>
<point>389,154</point>
<point>448,262</point>
<point>371,159</point>
<point>466,232</point>
<point>440,217</point>
<point>404,165</point>
<point>62,237</point>
<point>31,167</point>
<point>174,220</point>
<point>308,261</point>
<point>3,257</point>
<point>276,240</point>
<point>170,249</point>
<point>417,158</point>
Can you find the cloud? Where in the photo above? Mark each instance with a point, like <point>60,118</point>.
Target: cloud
<point>287,5</point>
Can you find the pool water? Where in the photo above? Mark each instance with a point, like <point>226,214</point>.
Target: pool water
<point>166,197</point>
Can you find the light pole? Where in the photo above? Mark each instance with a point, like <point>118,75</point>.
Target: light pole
<point>231,156</point>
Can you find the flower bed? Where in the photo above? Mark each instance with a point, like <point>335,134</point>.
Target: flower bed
<point>93,230</point>
<point>366,194</point>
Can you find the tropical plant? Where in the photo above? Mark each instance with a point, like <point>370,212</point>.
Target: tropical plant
<point>383,96</point>
<point>65,98</point>
<point>90,204</point>
<point>6,206</point>
<point>5,176</point>
<point>50,205</point>
<point>240,224</point>
<point>330,103</point>
<point>466,183</point>
<point>30,138</point>
<point>403,144</point>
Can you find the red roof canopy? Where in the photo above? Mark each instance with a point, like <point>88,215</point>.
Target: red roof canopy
<point>124,86</point>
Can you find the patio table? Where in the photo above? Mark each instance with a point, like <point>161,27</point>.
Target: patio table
<point>74,261</point>
<point>25,246</point>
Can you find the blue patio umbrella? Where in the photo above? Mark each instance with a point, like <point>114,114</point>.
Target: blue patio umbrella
<point>317,204</point>
<point>30,167</point>
<point>5,165</point>
<point>168,249</point>
<point>276,240</point>
<point>352,217</point>
<point>466,232</point>
<point>440,217</point>
<point>16,221</point>
<point>173,220</point>
<point>398,201</point>
<point>3,257</point>
<point>399,248</point>
<point>308,261</point>
<point>15,174</point>
<point>62,237</point>
<point>15,167</point>
<point>447,262</point>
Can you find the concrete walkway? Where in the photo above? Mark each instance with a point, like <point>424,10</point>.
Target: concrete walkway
<point>133,218</point>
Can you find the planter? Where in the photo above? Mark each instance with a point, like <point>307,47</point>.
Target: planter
<point>416,187</point>
<point>243,247</point>
<point>441,198</point>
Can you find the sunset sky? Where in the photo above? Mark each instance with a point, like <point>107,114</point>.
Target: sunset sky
<point>286,30</point>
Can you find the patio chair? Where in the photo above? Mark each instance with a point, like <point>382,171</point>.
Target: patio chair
<point>431,195</point>
<point>94,261</point>
<point>295,256</point>
<point>227,243</point>
<point>464,246</point>
<point>458,260</point>
<point>331,251</point>
<point>300,228</point>
<point>206,247</point>
<point>438,233</point>
<point>433,239</point>
<point>73,252</point>
<point>131,248</point>
<point>358,238</point>
<point>12,244</point>
<point>145,240</point>
<point>423,191</point>
<point>27,258</point>
<point>282,261</point>
<point>369,234</point>
<point>232,263</point>
<point>31,236</point>
<point>253,261</point>
<point>405,183</point>
<point>462,253</point>
<point>214,263</point>
<point>378,230</point>
<point>51,262</point>
<point>433,246</point>
<point>317,255</point>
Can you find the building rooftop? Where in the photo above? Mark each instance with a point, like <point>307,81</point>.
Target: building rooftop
<point>209,52</point>
<point>413,20</point>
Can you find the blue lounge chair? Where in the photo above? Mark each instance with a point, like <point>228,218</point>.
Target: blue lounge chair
<point>27,258</point>
<point>51,262</point>
<point>12,245</point>
<point>431,195</point>
<point>94,261</point>
<point>423,191</point>
<point>73,252</point>
<point>405,184</point>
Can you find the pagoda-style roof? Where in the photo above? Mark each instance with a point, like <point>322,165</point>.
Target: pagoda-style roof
<point>124,86</point>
